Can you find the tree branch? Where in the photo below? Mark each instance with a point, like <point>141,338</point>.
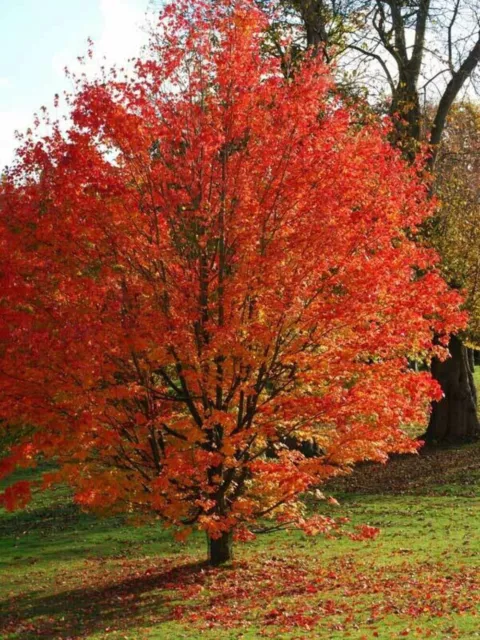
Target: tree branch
<point>452,89</point>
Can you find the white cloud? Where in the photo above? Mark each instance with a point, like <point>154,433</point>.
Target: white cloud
<point>5,83</point>
<point>10,121</point>
<point>121,37</point>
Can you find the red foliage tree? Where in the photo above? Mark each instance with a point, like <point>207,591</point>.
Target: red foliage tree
<point>211,259</point>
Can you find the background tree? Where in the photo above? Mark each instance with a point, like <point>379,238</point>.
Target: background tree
<point>410,54</point>
<point>213,258</point>
<point>455,232</point>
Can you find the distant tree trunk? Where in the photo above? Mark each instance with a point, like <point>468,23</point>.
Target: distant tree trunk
<point>454,418</point>
<point>407,115</point>
<point>220,550</point>
<point>314,14</point>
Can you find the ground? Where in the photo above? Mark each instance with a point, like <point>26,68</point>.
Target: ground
<point>70,575</point>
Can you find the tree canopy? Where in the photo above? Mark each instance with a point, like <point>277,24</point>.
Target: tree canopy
<point>456,228</point>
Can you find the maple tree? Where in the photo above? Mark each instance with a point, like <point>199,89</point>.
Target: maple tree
<point>213,258</point>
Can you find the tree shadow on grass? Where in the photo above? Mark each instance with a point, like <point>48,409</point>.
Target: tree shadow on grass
<point>63,533</point>
<point>149,597</point>
<point>50,519</point>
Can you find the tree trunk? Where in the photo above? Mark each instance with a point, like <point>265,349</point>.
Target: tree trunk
<point>454,419</point>
<point>407,116</point>
<point>220,550</point>
<point>476,357</point>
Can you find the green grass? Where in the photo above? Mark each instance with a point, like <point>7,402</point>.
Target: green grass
<point>66,574</point>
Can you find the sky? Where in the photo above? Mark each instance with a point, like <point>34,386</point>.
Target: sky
<point>37,41</point>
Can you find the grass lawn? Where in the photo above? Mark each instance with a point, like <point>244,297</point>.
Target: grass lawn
<point>65,574</point>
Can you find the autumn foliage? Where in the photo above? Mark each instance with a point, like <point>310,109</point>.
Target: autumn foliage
<point>213,259</point>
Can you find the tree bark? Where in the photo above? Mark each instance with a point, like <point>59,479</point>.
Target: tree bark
<point>220,550</point>
<point>476,357</point>
<point>454,417</point>
<point>407,115</point>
